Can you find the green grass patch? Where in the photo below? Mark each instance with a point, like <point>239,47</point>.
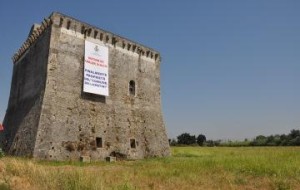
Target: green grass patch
<point>187,168</point>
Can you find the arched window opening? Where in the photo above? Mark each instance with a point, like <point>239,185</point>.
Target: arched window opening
<point>132,88</point>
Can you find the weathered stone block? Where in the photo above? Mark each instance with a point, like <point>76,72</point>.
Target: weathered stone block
<point>86,159</point>
<point>111,159</point>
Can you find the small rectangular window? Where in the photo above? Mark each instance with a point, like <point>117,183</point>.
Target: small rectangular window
<point>99,142</point>
<point>132,88</point>
<point>132,143</point>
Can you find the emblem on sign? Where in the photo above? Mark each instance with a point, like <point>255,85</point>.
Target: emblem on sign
<point>96,48</point>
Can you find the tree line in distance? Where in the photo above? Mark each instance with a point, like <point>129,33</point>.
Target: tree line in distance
<point>291,139</point>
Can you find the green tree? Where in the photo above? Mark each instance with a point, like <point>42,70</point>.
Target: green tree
<point>260,140</point>
<point>201,139</point>
<point>294,133</point>
<point>186,138</point>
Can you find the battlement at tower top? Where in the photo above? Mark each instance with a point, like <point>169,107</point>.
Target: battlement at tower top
<point>86,30</point>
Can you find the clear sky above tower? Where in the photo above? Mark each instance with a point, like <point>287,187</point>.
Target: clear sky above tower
<point>230,69</point>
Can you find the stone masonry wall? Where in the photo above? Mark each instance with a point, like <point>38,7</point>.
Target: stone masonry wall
<point>26,96</point>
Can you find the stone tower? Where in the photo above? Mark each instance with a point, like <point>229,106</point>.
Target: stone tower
<point>78,90</point>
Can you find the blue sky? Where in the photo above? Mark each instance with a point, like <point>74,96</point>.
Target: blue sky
<point>230,69</point>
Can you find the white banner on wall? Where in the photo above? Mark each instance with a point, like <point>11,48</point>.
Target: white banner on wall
<point>95,69</point>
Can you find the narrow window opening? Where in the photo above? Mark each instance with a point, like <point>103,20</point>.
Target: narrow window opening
<point>68,24</point>
<point>132,143</point>
<point>99,142</point>
<point>132,88</point>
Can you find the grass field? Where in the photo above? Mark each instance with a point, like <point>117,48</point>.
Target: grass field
<point>187,168</point>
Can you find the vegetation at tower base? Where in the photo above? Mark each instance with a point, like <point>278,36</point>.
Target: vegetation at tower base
<point>2,154</point>
<point>267,168</point>
<point>51,116</point>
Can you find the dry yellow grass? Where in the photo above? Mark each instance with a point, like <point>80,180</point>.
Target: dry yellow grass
<point>188,168</point>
